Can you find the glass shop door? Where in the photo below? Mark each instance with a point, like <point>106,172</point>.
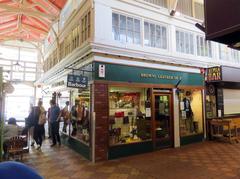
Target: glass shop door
<point>163,120</point>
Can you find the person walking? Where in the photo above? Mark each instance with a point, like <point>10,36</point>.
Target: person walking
<point>37,116</point>
<point>65,115</point>
<point>54,117</point>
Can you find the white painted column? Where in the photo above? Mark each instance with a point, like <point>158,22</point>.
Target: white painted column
<point>176,119</point>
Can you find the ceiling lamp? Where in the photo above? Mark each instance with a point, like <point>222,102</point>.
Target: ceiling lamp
<point>17,67</point>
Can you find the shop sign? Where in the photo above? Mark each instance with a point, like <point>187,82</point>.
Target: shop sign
<point>214,74</point>
<point>76,81</point>
<point>133,74</point>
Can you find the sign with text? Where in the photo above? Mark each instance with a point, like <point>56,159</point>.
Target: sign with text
<point>76,81</point>
<point>214,74</point>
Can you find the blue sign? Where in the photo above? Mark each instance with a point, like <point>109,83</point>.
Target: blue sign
<point>76,81</point>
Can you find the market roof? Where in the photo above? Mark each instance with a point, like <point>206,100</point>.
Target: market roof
<point>28,20</point>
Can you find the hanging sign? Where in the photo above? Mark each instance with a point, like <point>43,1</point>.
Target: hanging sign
<point>214,74</point>
<point>76,81</point>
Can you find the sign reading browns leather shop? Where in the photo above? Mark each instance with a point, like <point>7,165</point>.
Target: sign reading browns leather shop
<point>134,74</point>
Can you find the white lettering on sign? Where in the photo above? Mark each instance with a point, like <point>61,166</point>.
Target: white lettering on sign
<point>76,85</point>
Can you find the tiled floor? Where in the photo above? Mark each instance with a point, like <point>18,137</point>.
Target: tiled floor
<point>196,161</point>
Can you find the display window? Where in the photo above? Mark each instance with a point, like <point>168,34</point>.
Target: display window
<point>80,116</point>
<point>128,121</point>
<point>191,112</point>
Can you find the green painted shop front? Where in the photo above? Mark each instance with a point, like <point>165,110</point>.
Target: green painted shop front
<point>159,79</point>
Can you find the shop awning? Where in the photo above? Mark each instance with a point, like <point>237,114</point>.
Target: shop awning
<point>28,20</point>
<point>222,22</point>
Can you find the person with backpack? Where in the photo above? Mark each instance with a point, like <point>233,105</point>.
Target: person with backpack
<point>37,118</point>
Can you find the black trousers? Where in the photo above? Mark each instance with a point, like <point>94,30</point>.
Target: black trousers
<point>38,134</point>
<point>55,132</point>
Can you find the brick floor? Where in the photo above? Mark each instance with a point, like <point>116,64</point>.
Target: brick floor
<point>207,160</point>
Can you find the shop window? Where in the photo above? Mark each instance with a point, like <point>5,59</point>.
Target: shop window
<point>128,122</point>
<point>80,116</point>
<point>204,48</point>
<point>155,35</point>
<point>191,112</point>
<point>184,42</point>
<point>162,3</point>
<point>126,29</point>
<point>211,106</point>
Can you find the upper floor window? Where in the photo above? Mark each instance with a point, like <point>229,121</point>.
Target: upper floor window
<point>86,27</point>
<point>204,48</point>
<point>198,10</point>
<point>223,52</point>
<point>184,42</point>
<point>235,55</point>
<point>126,29</point>
<point>162,3</point>
<point>185,7</point>
<point>155,35</point>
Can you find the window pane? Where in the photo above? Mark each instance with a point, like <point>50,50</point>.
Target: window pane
<point>146,34</point>
<point>17,76</point>
<point>130,30</point>
<point>10,53</point>
<point>28,55</point>
<point>122,28</point>
<point>164,37</point>
<point>30,76</point>
<point>152,35</point>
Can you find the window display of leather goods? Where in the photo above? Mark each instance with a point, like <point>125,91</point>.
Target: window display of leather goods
<point>127,116</point>
<point>80,116</point>
<point>191,112</point>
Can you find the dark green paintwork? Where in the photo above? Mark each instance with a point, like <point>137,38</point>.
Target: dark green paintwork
<point>76,145</point>
<point>131,74</point>
<point>129,149</point>
<point>191,139</point>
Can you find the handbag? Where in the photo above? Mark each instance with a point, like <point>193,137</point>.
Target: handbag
<point>126,120</point>
<point>119,114</point>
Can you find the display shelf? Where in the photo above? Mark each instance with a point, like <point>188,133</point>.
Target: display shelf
<point>133,142</point>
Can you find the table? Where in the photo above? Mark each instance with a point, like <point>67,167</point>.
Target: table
<point>231,129</point>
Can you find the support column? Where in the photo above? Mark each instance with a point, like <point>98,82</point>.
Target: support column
<point>100,109</point>
<point>176,119</point>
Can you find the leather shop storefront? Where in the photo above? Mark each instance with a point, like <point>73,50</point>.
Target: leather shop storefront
<point>137,109</point>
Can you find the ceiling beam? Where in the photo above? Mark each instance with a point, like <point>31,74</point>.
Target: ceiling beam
<point>52,5</point>
<point>26,11</point>
<point>35,21</point>
<point>8,30</point>
<point>41,31</point>
<point>8,24</point>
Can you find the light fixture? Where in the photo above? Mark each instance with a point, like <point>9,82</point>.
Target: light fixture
<point>17,67</point>
<point>174,11</point>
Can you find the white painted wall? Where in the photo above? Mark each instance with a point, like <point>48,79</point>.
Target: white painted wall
<point>158,15</point>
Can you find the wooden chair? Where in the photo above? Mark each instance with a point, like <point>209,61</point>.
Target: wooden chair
<point>16,147</point>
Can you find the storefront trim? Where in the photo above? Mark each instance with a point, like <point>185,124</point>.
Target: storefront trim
<point>191,139</point>
<point>129,149</point>
<point>77,146</point>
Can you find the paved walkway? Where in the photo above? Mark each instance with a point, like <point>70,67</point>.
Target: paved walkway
<point>196,161</point>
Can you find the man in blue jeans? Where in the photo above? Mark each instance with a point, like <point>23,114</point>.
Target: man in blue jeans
<point>54,117</point>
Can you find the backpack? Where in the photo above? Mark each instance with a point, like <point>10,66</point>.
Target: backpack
<point>42,117</point>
